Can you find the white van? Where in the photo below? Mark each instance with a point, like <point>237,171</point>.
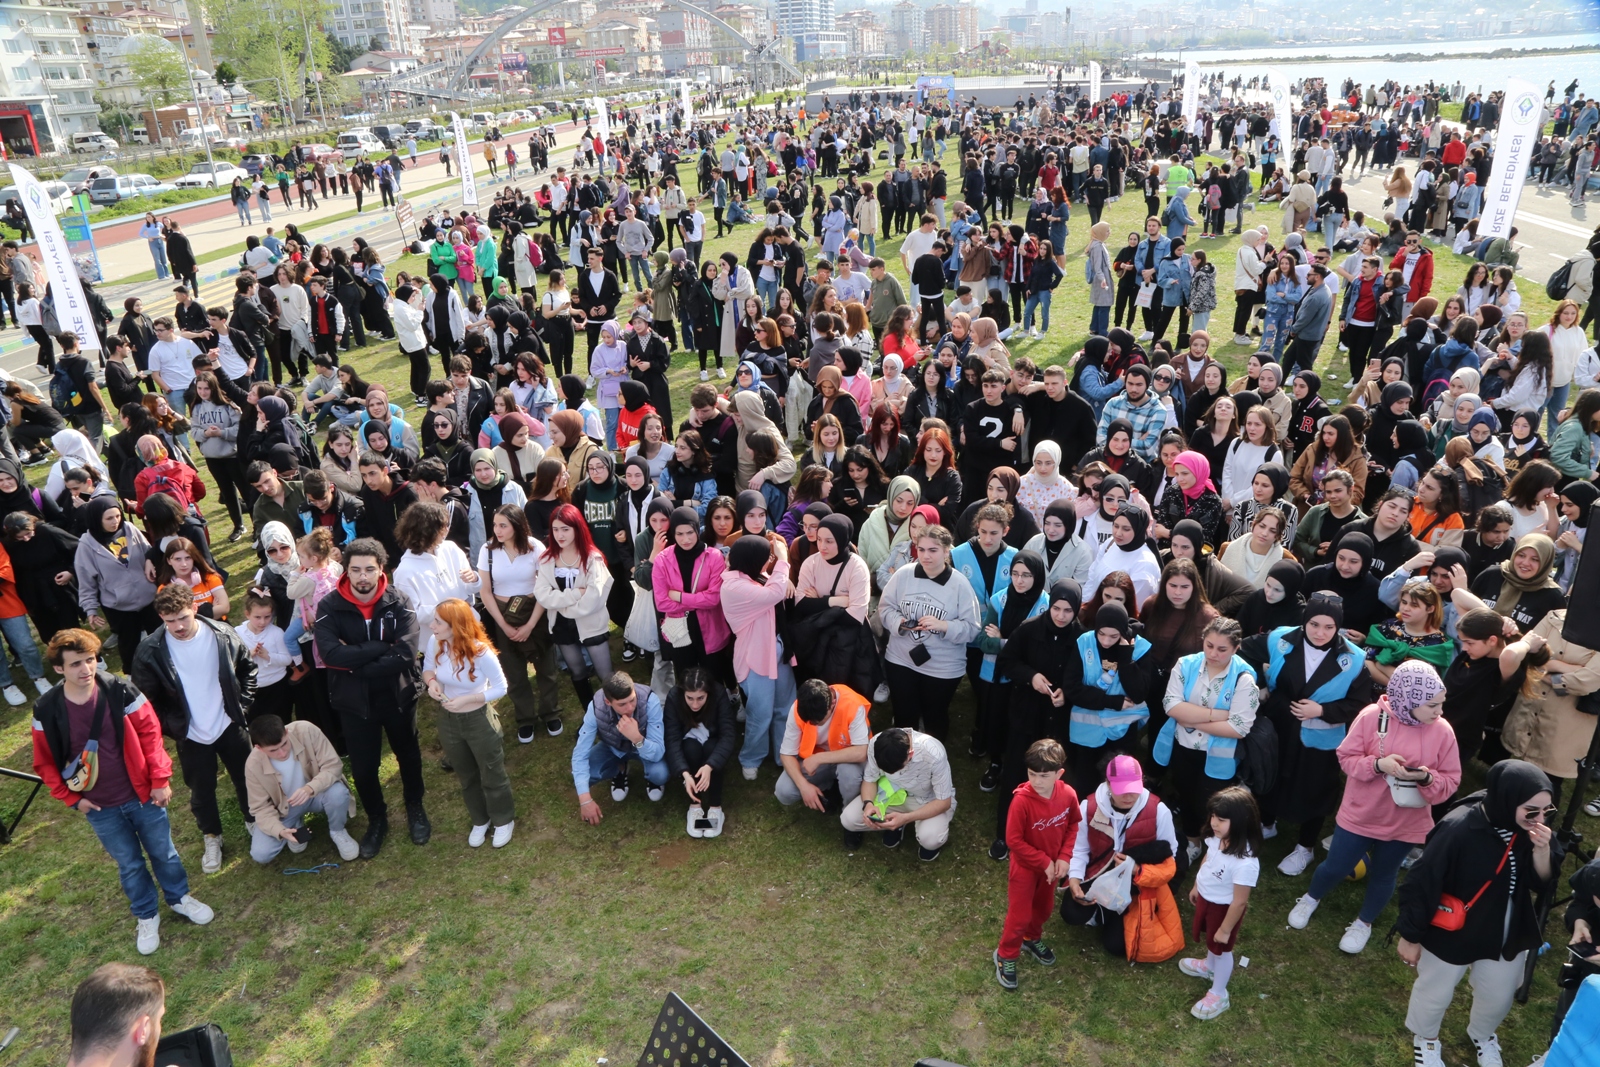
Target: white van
<point>359,143</point>
<point>196,136</point>
<point>484,119</point>
<point>93,141</point>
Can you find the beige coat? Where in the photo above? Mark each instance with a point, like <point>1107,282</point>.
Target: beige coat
<point>733,297</point>
<point>318,761</point>
<point>1298,205</point>
<point>1548,730</point>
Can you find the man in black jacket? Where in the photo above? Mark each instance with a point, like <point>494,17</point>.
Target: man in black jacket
<point>200,678</point>
<point>473,400</point>
<point>367,637</point>
<point>180,256</point>
<point>383,498</point>
<point>927,279</point>
<point>599,292</point>
<point>1056,413</point>
<point>718,433</point>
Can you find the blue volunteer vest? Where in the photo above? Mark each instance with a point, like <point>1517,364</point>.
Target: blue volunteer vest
<point>997,604</point>
<point>965,560</point>
<point>1221,759</point>
<point>1094,728</point>
<point>1317,733</point>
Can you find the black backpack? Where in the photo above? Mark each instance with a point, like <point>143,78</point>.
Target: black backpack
<point>203,1046</point>
<point>1560,280</point>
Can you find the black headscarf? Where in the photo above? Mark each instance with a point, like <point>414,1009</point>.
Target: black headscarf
<point>1413,446</point>
<point>446,450</point>
<point>1582,494</point>
<point>842,530</point>
<point>640,495</point>
<point>1139,519</point>
<point>1112,616</point>
<point>1359,594</point>
<point>1260,616</point>
<point>634,394</point>
<point>1094,355</point>
<point>20,498</point>
<point>1018,605</point>
<point>686,557</point>
<point>1380,427</point>
<point>572,390</point>
<point>115,541</point>
<point>1448,556</point>
<point>748,556</point>
<point>1511,783</point>
<point>1278,475</point>
<point>1069,590</point>
<point>1108,483</point>
<point>1112,428</point>
<point>1061,508</point>
<point>744,504</point>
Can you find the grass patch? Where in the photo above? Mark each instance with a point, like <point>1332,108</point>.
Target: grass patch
<point>559,949</point>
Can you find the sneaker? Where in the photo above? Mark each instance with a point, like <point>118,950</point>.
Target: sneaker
<point>653,793</point>
<point>421,828</point>
<point>41,685</point>
<point>502,834</point>
<point>750,773</point>
<point>1488,1051</point>
<point>1296,862</point>
<point>588,381</point>
<point>998,850</point>
<point>881,694</point>
<point>892,838</point>
<point>853,840</point>
<point>976,747</point>
<point>298,847</point>
<point>705,376</point>
<point>110,642</point>
<point>348,849</point>
<point>148,937</point>
<point>1241,338</point>
<point>990,779</point>
<point>372,840</point>
<point>1269,831</point>
<point>1146,336</point>
<point>718,819</point>
<point>211,861</point>
<point>721,373</point>
<point>1416,854</point>
<point>553,727</point>
<point>696,813</point>
<point>1344,348</point>
<point>1304,908</point>
<point>1005,971</point>
<point>1355,939</point>
<point>1195,968</point>
<point>14,696</point>
<point>628,653</point>
<point>193,910</point>
<point>1593,807</point>
<point>619,786</point>
<point>525,735</point>
<point>478,836</point>
<point>1209,1007</point>
<point>1427,1053</point>
<point>927,855</point>
<point>1040,952</point>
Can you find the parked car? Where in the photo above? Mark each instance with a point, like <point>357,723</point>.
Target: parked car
<point>317,152</point>
<point>60,195</point>
<point>359,143</point>
<point>256,163</point>
<point>94,142</point>
<point>238,144</point>
<point>78,178</point>
<point>211,176</point>
<point>110,189</point>
<point>428,131</point>
<point>392,136</point>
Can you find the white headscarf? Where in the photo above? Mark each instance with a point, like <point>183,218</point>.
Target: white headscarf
<point>76,451</point>
<point>276,533</point>
<point>1053,450</point>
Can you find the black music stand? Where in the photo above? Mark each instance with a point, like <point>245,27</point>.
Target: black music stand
<point>23,776</point>
<point>680,1038</point>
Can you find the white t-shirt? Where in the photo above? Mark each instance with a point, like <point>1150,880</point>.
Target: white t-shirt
<point>694,226</point>
<point>791,733</point>
<point>233,364</point>
<point>174,361</point>
<point>481,676</point>
<point>196,661</point>
<point>512,577</point>
<point>291,776</point>
<point>1220,872</point>
<point>278,659</point>
<point>917,244</point>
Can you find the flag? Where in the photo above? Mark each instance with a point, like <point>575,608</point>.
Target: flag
<point>72,306</point>
<point>1514,144</point>
<point>1282,104</point>
<point>469,184</point>
<point>1191,93</point>
<point>1094,82</point>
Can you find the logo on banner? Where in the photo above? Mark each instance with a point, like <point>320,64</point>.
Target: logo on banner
<point>1525,106</point>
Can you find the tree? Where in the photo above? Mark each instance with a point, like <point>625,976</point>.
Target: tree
<point>158,68</point>
<point>280,40</point>
<point>341,56</point>
<point>225,74</point>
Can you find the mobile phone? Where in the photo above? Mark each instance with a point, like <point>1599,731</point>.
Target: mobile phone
<point>302,834</point>
<point>876,816</point>
<point>702,824</point>
<point>1412,770</point>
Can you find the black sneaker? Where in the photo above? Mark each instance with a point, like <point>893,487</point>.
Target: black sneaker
<point>892,838</point>
<point>236,535</point>
<point>927,855</point>
<point>372,840</point>
<point>1041,952</point>
<point>852,840</point>
<point>619,785</point>
<point>629,654</point>
<point>525,734</point>
<point>553,727</point>
<point>1005,971</point>
<point>446,766</point>
<point>990,779</point>
<point>998,849</point>
<point>975,747</point>
<point>421,828</point>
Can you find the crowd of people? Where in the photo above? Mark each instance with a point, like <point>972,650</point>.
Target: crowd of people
<point>1192,613</point>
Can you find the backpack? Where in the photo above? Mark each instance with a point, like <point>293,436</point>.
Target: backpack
<point>1258,757</point>
<point>63,394</point>
<point>1556,286</point>
<point>162,484</point>
<point>299,437</point>
<point>1214,197</point>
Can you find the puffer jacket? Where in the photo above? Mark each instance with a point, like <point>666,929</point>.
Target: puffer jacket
<point>1152,929</point>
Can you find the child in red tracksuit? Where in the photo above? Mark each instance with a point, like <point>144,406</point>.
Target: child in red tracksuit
<point>1041,827</point>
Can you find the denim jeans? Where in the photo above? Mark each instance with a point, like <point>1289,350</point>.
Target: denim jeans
<point>1383,867</point>
<point>871,241</point>
<point>333,802</point>
<point>766,705</point>
<point>265,207</point>
<point>243,209</point>
<point>604,765</point>
<point>612,416</point>
<point>1099,321</point>
<point>638,264</point>
<point>1040,300</point>
<point>768,291</point>
<point>131,832</point>
<point>1553,406</point>
<point>16,632</point>
<point>158,252</point>
<point>1200,321</point>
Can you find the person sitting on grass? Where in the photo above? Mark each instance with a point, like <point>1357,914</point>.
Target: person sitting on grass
<point>1041,827</point>
<point>824,742</point>
<point>701,737</point>
<point>614,732</point>
<point>906,782</point>
<point>292,770</point>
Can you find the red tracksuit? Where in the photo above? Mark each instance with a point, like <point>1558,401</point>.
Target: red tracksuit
<point>1038,832</point>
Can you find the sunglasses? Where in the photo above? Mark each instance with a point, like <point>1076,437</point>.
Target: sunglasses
<point>1540,813</point>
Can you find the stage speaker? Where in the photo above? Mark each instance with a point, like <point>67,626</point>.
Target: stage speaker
<point>1583,599</point>
<point>681,1038</point>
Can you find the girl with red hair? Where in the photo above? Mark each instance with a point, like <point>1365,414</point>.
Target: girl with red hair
<point>462,673</point>
<point>571,585</point>
<point>934,468</point>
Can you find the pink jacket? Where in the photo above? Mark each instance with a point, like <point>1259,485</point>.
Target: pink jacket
<point>706,600</point>
<point>860,387</point>
<point>1367,808</point>
<point>466,265</point>
<point>749,610</point>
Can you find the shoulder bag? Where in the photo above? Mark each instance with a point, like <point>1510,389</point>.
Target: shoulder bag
<point>1405,794</point>
<point>1451,911</point>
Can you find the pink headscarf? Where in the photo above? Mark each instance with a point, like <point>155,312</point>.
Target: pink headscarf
<point>1200,467</point>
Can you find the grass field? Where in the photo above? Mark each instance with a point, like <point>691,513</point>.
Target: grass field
<point>559,949</point>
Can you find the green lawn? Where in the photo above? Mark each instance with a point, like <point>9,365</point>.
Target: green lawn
<point>559,949</point>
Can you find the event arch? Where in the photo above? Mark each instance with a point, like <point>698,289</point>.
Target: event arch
<point>458,81</point>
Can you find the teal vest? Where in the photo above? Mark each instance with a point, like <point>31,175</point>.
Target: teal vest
<point>964,558</point>
<point>997,604</point>
<point>1093,729</point>
<point>1221,752</point>
<point>1318,733</point>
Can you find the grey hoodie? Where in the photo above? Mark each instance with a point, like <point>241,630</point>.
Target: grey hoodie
<point>911,595</point>
<point>104,581</point>
<point>223,416</point>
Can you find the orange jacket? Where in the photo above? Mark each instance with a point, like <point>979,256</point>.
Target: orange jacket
<point>1151,927</point>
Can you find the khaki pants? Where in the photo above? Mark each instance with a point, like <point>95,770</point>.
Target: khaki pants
<point>471,742</point>
<point>1494,982</point>
<point>532,707</point>
<point>931,833</point>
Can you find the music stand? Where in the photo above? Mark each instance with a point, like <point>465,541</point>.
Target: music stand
<point>680,1038</point>
<point>23,776</point>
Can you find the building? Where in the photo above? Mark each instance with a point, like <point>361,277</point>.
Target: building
<point>637,36</point>
<point>686,40</point>
<point>1054,29</point>
<point>907,31</point>
<point>823,44</point>
<point>868,37</point>
<point>796,17</point>
<point>376,24</point>
<point>952,26</point>
<point>752,22</point>
<point>47,78</point>
<point>436,14</point>
<point>106,38</point>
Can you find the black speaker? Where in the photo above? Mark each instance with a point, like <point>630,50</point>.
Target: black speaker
<point>202,1046</point>
<point>680,1038</point>
<point>1583,626</point>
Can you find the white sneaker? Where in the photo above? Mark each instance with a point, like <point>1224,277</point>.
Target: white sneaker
<point>717,819</point>
<point>1146,336</point>
<point>1426,1053</point>
<point>1296,862</point>
<point>696,813</point>
<point>653,793</point>
<point>588,381</point>
<point>1302,911</point>
<point>1488,1051</point>
<point>1241,339</point>
<point>194,911</point>
<point>41,685</point>
<point>14,696</point>
<point>1355,939</point>
<point>298,847</point>
<point>705,376</point>
<point>211,861</point>
<point>1269,831</point>
<point>478,836</point>
<point>1344,348</point>
<point>348,849</point>
<point>721,373</point>
<point>1033,333</point>
<point>750,773</point>
<point>502,835</point>
<point>880,694</point>
<point>149,935</point>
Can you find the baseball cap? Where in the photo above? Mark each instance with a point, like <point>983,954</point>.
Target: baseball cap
<point>1124,775</point>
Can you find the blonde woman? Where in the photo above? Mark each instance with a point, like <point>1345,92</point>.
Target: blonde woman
<point>1398,187</point>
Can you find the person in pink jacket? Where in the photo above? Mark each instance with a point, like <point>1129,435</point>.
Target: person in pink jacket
<point>760,662</point>
<point>686,581</point>
<point>1400,759</point>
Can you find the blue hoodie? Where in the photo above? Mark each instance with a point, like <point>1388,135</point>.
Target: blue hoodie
<point>1177,214</point>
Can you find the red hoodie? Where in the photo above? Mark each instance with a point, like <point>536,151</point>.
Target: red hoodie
<point>1040,831</point>
<point>363,606</point>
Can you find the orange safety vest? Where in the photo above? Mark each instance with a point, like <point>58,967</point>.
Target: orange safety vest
<point>845,708</point>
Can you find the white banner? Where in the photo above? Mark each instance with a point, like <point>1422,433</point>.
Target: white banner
<point>1094,82</point>
<point>1282,105</point>
<point>688,106</point>
<point>469,184</point>
<point>72,307</point>
<point>1191,93</point>
<point>602,115</point>
<point>1514,143</point>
